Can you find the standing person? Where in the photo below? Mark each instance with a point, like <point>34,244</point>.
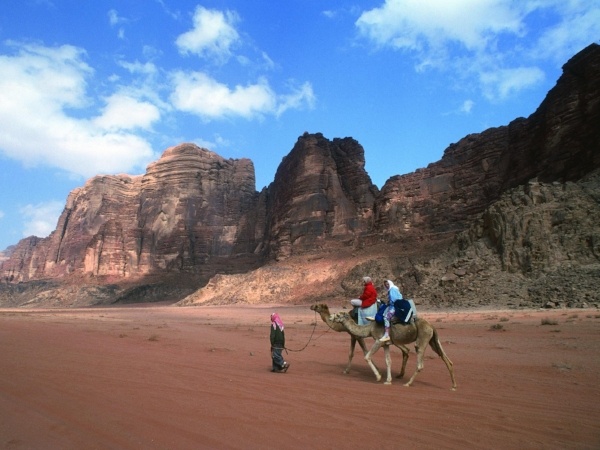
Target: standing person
<point>394,295</point>
<point>278,344</point>
<point>367,302</point>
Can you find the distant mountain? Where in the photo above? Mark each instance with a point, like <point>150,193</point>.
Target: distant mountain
<point>194,215</point>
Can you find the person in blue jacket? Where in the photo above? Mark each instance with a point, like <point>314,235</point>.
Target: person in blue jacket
<point>393,296</point>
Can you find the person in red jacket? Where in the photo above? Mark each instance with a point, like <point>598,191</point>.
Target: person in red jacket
<point>367,302</point>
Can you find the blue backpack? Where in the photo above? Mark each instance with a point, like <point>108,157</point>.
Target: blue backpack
<point>404,311</point>
<point>379,315</point>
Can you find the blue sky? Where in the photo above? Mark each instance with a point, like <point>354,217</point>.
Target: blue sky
<point>93,87</point>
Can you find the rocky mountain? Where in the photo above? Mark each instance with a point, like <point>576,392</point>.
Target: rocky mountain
<point>513,201</point>
<point>321,196</point>
<point>558,142</point>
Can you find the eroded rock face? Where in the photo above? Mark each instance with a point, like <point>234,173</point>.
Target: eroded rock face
<point>195,206</point>
<point>197,214</point>
<point>538,244</point>
<point>190,208</point>
<point>321,193</point>
<point>558,142</point>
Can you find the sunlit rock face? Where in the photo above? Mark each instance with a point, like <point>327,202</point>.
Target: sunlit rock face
<point>196,214</point>
<point>190,207</point>
<point>195,206</point>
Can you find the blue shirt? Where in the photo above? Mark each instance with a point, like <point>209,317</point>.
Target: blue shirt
<point>394,294</point>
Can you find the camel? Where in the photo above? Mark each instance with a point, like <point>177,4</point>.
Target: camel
<point>323,310</point>
<point>420,332</point>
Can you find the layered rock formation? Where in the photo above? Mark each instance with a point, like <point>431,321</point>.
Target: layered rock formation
<point>321,195</point>
<point>191,207</point>
<point>538,245</point>
<point>196,214</point>
<point>558,142</point>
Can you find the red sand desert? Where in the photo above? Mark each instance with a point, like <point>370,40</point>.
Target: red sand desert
<point>164,377</point>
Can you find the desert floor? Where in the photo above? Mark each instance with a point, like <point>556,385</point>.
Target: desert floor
<point>164,377</point>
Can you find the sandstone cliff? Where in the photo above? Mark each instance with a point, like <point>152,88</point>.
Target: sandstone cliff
<point>191,210</point>
<point>558,142</point>
<point>193,214</point>
<point>321,196</point>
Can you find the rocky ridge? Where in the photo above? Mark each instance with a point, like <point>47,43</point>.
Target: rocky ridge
<point>195,217</point>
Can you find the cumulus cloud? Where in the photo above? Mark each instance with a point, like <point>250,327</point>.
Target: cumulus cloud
<point>199,94</point>
<point>212,35</point>
<point>40,220</point>
<point>123,112</point>
<point>423,24</point>
<point>480,37</point>
<point>41,91</point>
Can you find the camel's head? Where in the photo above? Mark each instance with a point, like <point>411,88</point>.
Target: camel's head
<point>340,317</point>
<point>320,307</point>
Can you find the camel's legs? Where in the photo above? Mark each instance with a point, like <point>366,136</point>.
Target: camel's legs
<point>418,369</point>
<point>437,347</point>
<point>353,341</point>
<point>420,347</point>
<point>351,354</point>
<point>388,363</point>
<point>368,356</point>
<point>405,353</point>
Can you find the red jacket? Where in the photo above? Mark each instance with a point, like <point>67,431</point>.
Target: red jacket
<point>369,295</point>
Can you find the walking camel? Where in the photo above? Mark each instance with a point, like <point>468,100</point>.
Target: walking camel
<point>421,333</point>
<point>323,310</point>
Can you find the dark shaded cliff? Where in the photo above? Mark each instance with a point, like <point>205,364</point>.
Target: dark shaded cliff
<point>321,193</point>
<point>558,142</point>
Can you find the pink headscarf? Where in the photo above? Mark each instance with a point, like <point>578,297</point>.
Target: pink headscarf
<point>276,321</point>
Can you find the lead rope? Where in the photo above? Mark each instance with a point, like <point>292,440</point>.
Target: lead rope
<point>310,338</point>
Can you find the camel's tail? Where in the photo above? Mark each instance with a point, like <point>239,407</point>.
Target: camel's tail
<point>436,345</point>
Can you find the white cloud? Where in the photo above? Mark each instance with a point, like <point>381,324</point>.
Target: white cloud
<point>497,42</point>
<point>123,112</point>
<point>505,82</point>
<point>300,96</point>
<point>114,19</point>
<point>212,36</point>
<point>467,106</point>
<point>41,90</point>
<point>40,220</point>
<point>425,24</point>
<point>199,94</point>
<point>578,26</point>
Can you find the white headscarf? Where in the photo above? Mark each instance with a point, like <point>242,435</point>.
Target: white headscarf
<point>391,286</point>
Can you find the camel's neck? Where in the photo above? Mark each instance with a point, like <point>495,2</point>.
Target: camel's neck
<point>357,330</point>
<point>335,326</point>
<point>326,317</point>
